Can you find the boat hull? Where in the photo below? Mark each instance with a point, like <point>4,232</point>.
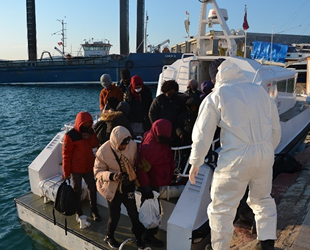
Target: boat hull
<point>84,70</point>
<point>295,125</point>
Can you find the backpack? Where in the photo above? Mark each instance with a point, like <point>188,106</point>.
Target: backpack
<point>101,132</point>
<point>66,201</point>
<point>285,163</point>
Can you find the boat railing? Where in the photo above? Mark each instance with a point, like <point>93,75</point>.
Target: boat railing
<point>170,73</point>
<point>182,74</point>
<point>185,55</point>
<point>184,172</point>
<point>181,171</point>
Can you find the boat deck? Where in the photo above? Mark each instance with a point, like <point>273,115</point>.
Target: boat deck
<point>92,236</point>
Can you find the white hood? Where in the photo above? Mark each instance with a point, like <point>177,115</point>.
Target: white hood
<point>230,72</point>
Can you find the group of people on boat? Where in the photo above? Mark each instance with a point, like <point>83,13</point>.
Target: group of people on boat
<point>142,110</point>
<point>250,132</point>
<point>120,166</point>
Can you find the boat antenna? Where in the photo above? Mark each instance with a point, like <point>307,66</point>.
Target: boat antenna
<point>63,36</point>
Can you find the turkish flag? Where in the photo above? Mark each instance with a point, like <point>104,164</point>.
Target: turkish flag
<point>245,21</point>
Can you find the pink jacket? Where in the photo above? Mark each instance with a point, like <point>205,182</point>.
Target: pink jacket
<point>105,162</point>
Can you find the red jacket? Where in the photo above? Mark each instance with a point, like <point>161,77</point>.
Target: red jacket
<point>105,94</point>
<point>158,155</point>
<point>77,152</point>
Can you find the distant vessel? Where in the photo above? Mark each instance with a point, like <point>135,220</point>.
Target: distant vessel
<point>297,51</point>
<point>85,69</point>
<point>93,60</point>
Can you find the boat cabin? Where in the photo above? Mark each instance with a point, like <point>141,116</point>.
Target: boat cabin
<point>96,49</point>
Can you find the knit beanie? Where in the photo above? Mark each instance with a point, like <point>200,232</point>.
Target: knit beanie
<point>105,80</point>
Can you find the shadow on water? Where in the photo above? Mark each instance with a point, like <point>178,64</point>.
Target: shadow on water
<point>40,240</point>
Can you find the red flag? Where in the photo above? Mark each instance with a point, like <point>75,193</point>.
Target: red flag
<point>245,21</point>
<point>60,43</point>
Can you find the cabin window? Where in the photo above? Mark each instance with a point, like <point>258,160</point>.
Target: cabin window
<point>281,86</point>
<point>290,85</point>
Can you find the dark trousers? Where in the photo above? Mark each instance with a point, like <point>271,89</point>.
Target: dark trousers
<point>129,201</point>
<point>91,189</point>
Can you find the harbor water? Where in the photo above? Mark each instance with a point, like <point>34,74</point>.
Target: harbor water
<point>30,117</point>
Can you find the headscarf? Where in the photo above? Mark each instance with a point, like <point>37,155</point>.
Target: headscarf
<point>136,80</point>
<point>118,135</point>
<point>151,149</point>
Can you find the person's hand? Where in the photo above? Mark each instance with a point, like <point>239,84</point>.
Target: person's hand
<point>181,136</point>
<point>192,174</point>
<point>118,176</point>
<point>147,192</point>
<point>64,177</point>
<point>148,195</point>
<point>86,136</point>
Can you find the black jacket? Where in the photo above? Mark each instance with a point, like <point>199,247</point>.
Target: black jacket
<point>186,121</point>
<point>140,109</point>
<point>110,120</point>
<point>163,107</point>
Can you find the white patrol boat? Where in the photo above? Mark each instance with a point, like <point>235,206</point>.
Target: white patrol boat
<point>184,218</point>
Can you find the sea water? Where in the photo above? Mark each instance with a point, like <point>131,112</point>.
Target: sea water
<point>30,117</point>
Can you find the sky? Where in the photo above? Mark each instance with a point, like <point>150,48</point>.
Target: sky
<point>99,20</point>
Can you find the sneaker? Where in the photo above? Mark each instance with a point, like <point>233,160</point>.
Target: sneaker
<point>111,241</point>
<point>140,244</point>
<point>96,216</point>
<point>151,240</point>
<point>77,217</point>
<point>79,213</point>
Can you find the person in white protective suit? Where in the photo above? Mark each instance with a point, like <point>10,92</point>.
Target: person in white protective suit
<point>250,132</point>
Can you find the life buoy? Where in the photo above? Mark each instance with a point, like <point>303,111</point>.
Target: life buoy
<point>129,64</point>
